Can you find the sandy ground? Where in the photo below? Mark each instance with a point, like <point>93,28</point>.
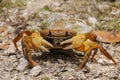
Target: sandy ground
<point>80,15</point>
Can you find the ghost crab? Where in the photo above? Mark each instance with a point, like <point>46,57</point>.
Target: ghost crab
<point>60,38</point>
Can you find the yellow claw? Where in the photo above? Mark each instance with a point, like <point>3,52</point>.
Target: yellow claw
<point>38,41</point>
<point>69,47</point>
<point>44,49</point>
<point>32,40</point>
<point>78,40</point>
<point>86,44</point>
<point>66,41</point>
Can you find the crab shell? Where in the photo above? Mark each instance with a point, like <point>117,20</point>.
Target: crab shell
<point>56,36</point>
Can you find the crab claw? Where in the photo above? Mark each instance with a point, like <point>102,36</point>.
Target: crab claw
<point>47,43</point>
<point>44,49</point>
<point>74,42</point>
<point>39,43</point>
<point>67,41</point>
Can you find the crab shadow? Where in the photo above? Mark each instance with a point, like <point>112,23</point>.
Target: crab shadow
<point>55,54</point>
<point>61,58</point>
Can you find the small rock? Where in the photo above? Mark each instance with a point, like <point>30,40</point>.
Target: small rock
<point>86,69</point>
<point>13,58</point>
<point>83,27</point>
<point>102,61</point>
<point>10,63</point>
<point>26,72</point>
<point>68,26</point>
<point>70,78</point>
<point>92,20</point>
<point>56,4</point>
<point>97,79</point>
<point>71,74</point>
<point>45,77</point>
<point>35,70</point>
<point>22,65</point>
<point>60,61</point>
<point>118,49</point>
<point>14,77</point>
<point>97,73</point>
<point>81,75</point>
<point>5,75</point>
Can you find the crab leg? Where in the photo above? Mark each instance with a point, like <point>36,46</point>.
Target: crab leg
<point>105,53</point>
<point>27,54</point>
<point>19,36</point>
<point>27,46</point>
<point>85,59</point>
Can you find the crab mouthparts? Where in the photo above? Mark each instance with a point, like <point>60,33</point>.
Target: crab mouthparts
<point>57,41</point>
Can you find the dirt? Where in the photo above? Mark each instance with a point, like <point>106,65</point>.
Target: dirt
<point>80,15</point>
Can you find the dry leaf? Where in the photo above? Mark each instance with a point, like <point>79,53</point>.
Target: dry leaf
<point>2,29</point>
<point>5,45</point>
<point>107,36</point>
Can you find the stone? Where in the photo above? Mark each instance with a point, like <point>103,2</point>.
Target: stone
<point>35,70</point>
<point>92,20</point>
<point>22,65</point>
<point>60,61</point>
<point>102,61</point>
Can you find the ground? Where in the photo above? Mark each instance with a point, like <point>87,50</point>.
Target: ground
<point>80,15</point>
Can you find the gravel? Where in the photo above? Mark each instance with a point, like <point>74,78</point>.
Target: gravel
<point>81,16</point>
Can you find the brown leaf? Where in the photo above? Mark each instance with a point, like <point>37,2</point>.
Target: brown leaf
<point>2,29</point>
<point>5,45</point>
<point>107,36</point>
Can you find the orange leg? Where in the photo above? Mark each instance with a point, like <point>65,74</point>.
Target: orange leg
<point>27,53</point>
<point>85,59</point>
<point>19,36</point>
<point>105,53</point>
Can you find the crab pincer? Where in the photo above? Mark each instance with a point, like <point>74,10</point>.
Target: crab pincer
<point>85,44</point>
<point>31,41</point>
<point>39,43</point>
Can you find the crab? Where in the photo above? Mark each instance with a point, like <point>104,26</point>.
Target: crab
<point>48,39</point>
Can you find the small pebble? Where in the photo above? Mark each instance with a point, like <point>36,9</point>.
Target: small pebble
<point>22,65</point>
<point>35,70</point>
<point>96,79</point>
<point>102,61</point>
<point>92,20</point>
<point>60,61</point>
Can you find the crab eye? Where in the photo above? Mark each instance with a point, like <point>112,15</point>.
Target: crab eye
<point>67,33</point>
<point>49,33</point>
